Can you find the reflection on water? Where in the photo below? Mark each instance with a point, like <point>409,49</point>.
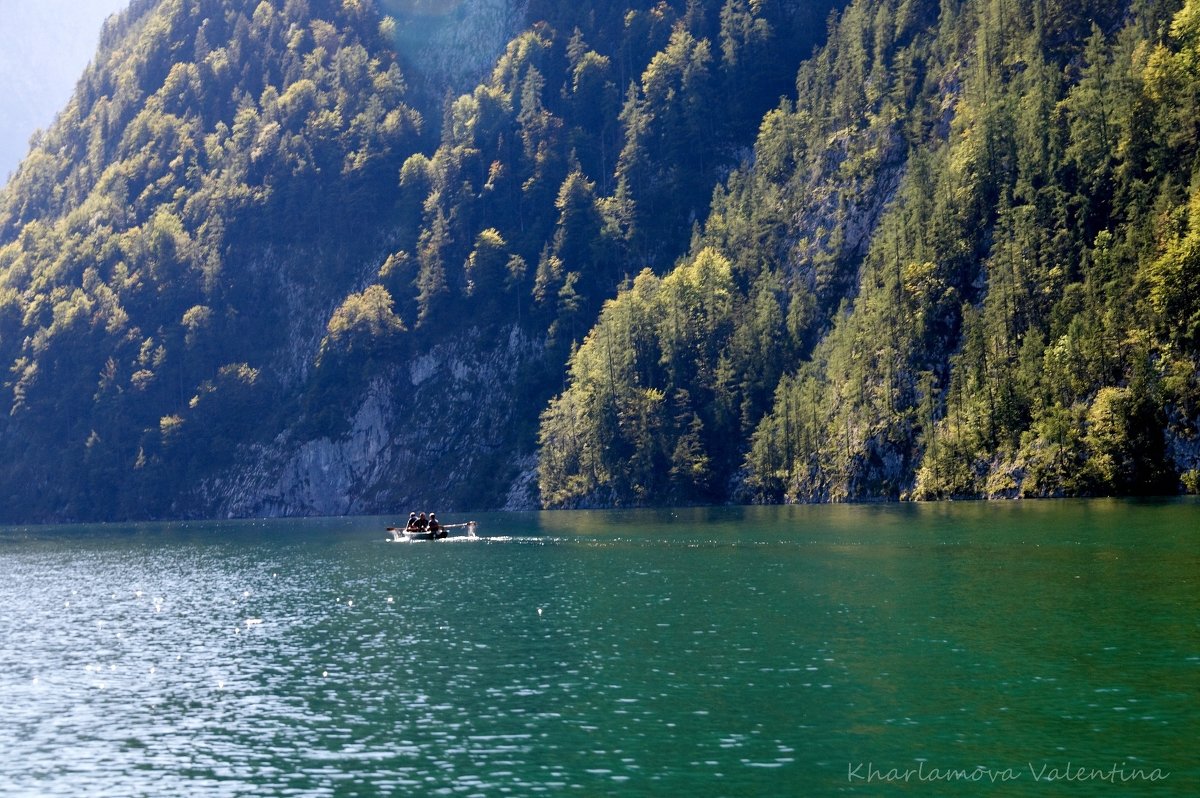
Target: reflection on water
<point>730,651</point>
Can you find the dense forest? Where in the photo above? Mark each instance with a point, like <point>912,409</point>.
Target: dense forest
<point>272,259</point>
<point>961,263</point>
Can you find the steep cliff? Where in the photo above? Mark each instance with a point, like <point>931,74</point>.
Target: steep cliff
<point>451,45</point>
<point>945,274</point>
<point>265,262</point>
<point>437,430</point>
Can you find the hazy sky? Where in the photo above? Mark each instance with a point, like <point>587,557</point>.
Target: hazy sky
<point>44,47</point>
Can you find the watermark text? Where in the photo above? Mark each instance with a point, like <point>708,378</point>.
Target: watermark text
<point>870,773</point>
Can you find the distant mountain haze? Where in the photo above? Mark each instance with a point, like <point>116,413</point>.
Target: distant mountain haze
<point>44,46</point>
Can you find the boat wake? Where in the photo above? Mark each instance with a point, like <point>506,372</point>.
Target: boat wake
<point>460,539</point>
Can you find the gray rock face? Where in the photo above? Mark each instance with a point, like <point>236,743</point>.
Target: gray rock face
<point>426,434</point>
<point>457,41</point>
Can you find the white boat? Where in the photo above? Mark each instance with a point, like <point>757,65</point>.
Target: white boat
<point>401,534</point>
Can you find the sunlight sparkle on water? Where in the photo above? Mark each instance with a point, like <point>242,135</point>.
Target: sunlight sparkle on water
<point>683,630</point>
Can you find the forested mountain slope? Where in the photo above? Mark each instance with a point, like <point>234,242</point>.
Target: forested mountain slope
<point>962,262</point>
<point>264,262</point>
<point>277,257</point>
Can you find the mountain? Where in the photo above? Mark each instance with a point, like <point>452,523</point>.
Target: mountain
<point>271,260</point>
<point>961,263</point>
<point>43,47</point>
<point>344,256</point>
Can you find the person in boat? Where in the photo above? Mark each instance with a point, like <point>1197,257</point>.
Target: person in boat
<point>436,530</point>
<point>422,523</point>
<point>412,523</point>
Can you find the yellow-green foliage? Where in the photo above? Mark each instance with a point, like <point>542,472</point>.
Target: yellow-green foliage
<point>620,432</point>
<point>953,253</point>
<point>185,150</point>
<point>363,317</point>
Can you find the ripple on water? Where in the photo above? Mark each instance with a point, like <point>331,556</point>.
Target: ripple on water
<point>210,662</point>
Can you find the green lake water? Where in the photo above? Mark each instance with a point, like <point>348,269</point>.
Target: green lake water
<point>923,649</point>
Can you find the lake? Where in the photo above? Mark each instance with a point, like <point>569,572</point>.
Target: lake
<point>1015,648</point>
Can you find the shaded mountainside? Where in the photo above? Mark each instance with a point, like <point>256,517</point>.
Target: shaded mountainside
<point>334,256</point>
<point>263,262</point>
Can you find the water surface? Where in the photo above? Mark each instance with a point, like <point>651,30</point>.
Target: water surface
<point>735,651</point>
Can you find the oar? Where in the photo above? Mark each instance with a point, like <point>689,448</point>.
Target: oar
<point>470,525</point>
